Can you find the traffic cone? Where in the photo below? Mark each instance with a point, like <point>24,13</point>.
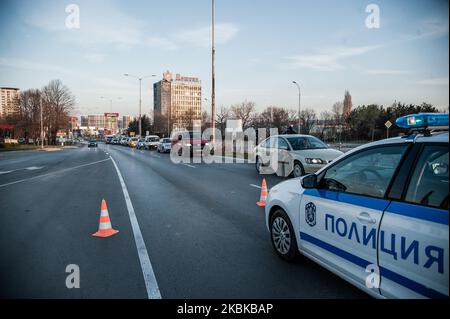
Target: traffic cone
<point>262,200</point>
<point>105,229</point>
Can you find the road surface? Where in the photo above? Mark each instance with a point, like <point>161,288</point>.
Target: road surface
<point>204,235</point>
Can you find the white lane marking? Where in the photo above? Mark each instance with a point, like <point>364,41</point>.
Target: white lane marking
<point>191,166</point>
<point>33,168</point>
<point>147,270</point>
<point>237,159</point>
<point>256,186</point>
<point>56,172</point>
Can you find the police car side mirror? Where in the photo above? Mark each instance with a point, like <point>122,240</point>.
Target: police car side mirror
<point>309,181</point>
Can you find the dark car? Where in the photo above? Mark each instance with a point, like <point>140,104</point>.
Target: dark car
<point>92,143</point>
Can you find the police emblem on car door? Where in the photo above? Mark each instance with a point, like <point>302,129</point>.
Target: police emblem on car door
<point>310,214</point>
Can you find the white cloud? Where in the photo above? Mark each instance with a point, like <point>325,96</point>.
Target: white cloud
<point>161,43</point>
<point>329,60</point>
<point>434,81</point>
<point>224,32</point>
<point>32,66</point>
<point>432,27</point>
<point>95,57</point>
<point>386,72</point>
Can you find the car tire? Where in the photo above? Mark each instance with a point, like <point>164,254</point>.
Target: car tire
<point>282,236</point>
<point>298,170</point>
<point>258,164</point>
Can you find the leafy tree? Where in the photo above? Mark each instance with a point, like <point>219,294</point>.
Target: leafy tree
<point>133,126</point>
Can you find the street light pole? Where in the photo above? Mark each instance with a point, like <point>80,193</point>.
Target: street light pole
<point>42,127</point>
<point>140,78</point>
<point>213,75</point>
<point>299,100</point>
<point>140,107</point>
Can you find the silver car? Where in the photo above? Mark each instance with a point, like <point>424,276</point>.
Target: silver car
<point>165,145</point>
<point>297,155</point>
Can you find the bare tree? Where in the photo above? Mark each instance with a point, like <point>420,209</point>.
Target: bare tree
<point>28,117</point>
<point>206,120</point>
<point>274,117</point>
<point>337,109</point>
<point>347,108</point>
<point>221,119</point>
<point>59,102</point>
<point>308,118</point>
<point>245,112</point>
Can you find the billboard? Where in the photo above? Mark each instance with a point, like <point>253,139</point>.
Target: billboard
<point>111,122</point>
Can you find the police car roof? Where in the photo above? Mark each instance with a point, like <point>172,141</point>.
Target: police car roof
<point>290,135</point>
<point>441,137</point>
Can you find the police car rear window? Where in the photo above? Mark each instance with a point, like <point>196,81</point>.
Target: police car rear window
<point>429,182</point>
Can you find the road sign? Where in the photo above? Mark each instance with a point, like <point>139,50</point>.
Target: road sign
<point>388,124</point>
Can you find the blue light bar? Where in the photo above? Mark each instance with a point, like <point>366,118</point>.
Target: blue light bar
<point>422,120</point>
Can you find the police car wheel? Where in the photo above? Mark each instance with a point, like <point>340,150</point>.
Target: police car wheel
<point>298,170</point>
<point>283,236</point>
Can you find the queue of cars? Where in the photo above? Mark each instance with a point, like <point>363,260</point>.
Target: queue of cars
<point>150,142</point>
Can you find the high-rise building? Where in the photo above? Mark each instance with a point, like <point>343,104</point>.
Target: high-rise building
<point>179,98</point>
<point>97,121</point>
<point>9,101</point>
<point>84,121</point>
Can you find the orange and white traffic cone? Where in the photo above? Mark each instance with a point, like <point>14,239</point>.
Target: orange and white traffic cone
<point>264,192</point>
<point>105,229</point>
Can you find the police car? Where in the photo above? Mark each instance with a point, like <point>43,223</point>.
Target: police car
<point>377,216</point>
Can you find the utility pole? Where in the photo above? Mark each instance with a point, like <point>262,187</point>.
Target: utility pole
<point>140,78</point>
<point>213,75</point>
<point>140,107</point>
<point>42,127</point>
<point>299,100</point>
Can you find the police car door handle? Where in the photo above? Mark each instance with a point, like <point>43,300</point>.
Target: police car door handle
<point>365,218</point>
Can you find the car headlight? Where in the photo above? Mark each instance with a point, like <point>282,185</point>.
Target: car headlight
<point>315,161</point>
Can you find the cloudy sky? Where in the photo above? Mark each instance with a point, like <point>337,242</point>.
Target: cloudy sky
<point>262,46</point>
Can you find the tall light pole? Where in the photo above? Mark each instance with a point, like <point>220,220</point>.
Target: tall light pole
<point>42,126</point>
<point>213,76</point>
<point>140,96</point>
<point>299,100</point>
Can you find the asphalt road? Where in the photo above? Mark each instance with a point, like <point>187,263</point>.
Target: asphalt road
<point>203,232</point>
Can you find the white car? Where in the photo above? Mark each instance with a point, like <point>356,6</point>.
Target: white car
<point>152,142</point>
<point>377,216</point>
<point>165,145</point>
<point>296,154</point>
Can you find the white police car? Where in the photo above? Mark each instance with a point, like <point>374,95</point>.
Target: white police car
<point>377,216</point>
